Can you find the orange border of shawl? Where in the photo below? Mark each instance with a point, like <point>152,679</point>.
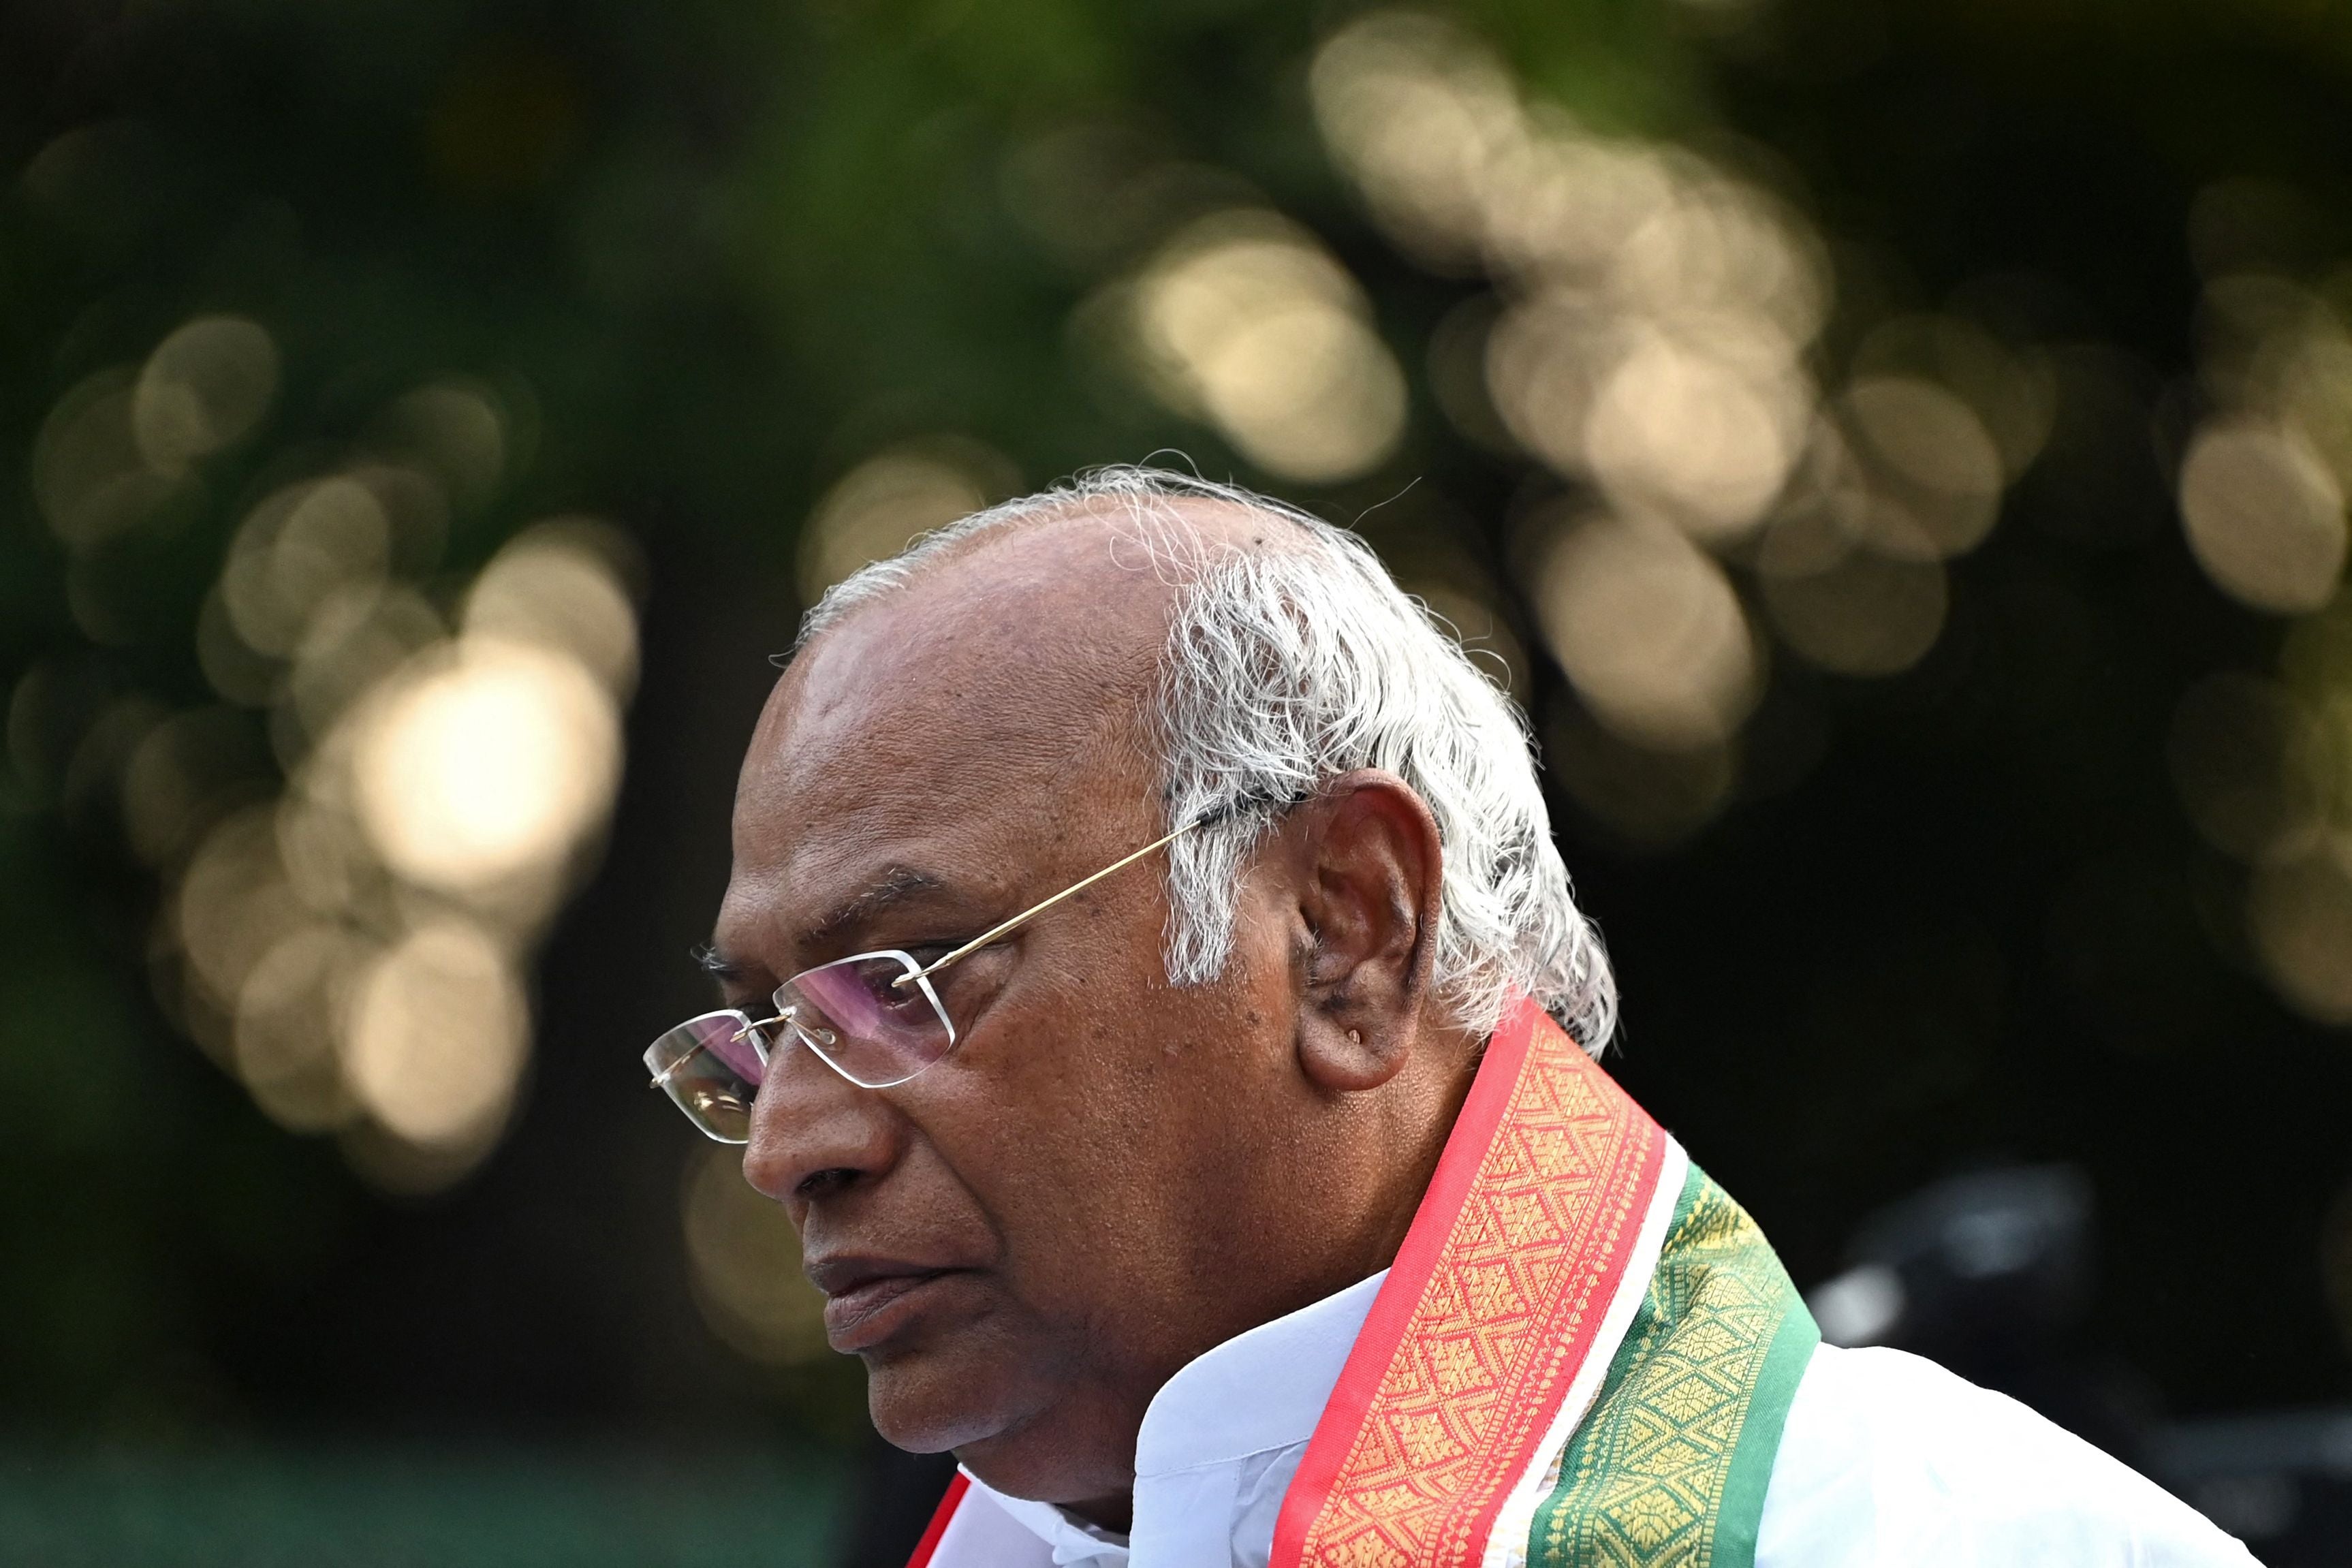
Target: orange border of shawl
<point>1491,1306</point>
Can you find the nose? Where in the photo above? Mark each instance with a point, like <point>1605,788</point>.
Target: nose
<point>814,1133</point>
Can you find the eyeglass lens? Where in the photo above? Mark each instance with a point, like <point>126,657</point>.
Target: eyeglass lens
<point>711,1067</point>
<point>868,1027</point>
<point>853,1014</point>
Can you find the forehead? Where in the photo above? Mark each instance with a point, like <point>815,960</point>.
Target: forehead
<point>989,715</point>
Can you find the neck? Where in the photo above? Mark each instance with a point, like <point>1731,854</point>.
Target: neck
<point>1116,1512</point>
<point>1371,1185</point>
<point>1403,1154</point>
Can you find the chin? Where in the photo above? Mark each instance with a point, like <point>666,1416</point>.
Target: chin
<point>931,1400</point>
<point>1023,1433</point>
<point>1030,1460</point>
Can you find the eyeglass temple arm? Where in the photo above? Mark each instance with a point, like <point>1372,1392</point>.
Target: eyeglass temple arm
<point>984,938</point>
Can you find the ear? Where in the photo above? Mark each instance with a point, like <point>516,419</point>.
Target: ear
<point>1368,895</point>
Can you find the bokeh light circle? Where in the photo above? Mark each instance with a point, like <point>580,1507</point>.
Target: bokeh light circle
<point>2263,516</point>
<point>1649,631</point>
<point>437,1034</point>
<point>485,762</point>
<point>204,386</point>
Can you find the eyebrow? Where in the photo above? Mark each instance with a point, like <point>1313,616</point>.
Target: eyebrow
<point>715,964</point>
<point>897,885</point>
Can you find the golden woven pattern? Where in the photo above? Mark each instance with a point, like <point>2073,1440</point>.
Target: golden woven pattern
<point>1641,1484</point>
<point>1516,1291</point>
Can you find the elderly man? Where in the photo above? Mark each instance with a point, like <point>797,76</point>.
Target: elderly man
<point>1159,1003</point>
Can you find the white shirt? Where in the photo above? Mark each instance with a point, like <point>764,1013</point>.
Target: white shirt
<point>1886,1461</point>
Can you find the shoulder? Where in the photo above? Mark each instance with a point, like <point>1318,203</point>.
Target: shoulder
<point>1887,1459</point>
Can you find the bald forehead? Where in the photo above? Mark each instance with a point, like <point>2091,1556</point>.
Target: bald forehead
<point>1010,676</point>
<point>1037,631</point>
<point>1055,622</point>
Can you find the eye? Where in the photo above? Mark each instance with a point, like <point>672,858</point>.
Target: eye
<point>890,995</point>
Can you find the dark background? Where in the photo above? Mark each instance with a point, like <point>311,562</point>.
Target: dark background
<point>715,255</point>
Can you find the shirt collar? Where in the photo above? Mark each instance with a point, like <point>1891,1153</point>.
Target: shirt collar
<point>1264,1388</point>
<point>1073,1540</point>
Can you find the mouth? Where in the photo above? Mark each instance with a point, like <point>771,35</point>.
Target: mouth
<point>867,1301</point>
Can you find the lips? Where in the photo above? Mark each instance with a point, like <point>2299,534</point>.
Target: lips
<point>870,1300</point>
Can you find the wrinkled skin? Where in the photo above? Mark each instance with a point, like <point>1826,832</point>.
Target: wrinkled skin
<point>1110,1174</point>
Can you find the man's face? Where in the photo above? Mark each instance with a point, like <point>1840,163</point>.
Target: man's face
<point>1024,1242</point>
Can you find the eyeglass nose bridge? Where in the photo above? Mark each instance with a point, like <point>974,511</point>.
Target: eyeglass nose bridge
<point>791,1015</point>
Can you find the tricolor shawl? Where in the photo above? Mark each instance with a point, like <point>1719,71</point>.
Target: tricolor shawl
<point>1583,1353</point>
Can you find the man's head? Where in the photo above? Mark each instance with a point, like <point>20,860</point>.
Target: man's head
<point>1197,1095</point>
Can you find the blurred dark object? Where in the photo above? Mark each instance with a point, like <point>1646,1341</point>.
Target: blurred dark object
<point>897,1494</point>
<point>1989,1273</point>
<point>2281,1483</point>
<point>1978,1271</point>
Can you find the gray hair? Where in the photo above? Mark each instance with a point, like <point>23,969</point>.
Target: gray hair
<point>1288,663</point>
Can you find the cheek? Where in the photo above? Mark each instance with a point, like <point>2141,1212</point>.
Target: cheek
<point>1114,1126</point>
<point>1118,1138</point>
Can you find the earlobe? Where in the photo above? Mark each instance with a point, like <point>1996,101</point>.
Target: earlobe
<point>1346,1060</point>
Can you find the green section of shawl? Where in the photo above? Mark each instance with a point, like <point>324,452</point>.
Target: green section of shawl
<point>1670,1466</point>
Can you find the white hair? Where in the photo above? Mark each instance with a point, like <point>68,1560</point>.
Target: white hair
<point>1290,660</point>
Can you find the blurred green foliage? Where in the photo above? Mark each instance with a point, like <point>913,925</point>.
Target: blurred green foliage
<point>574,1508</point>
